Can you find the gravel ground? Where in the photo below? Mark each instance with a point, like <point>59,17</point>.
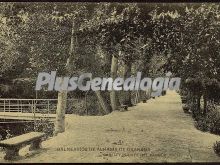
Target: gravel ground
<point>156,131</point>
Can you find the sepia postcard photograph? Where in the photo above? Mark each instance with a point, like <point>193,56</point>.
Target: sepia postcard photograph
<point>109,82</point>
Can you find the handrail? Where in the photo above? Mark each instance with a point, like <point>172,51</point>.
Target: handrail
<point>29,105</point>
<point>32,99</point>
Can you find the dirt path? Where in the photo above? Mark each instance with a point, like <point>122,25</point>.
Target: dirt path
<point>159,127</point>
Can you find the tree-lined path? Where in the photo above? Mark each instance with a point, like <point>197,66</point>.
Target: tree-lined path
<point>160,126</point>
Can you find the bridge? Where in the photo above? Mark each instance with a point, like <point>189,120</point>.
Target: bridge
<point>28,109</point>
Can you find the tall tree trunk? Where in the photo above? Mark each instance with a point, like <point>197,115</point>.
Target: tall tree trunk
<point>148,94</point>
<point>62,95</point>
<point>105,107</point>
<point>198,103</point>
<point>61,109</point>
<point>127,94</point>
<point>114,68</point>
<point>205,104</point>
<point>144,95</point>
<point>117,99</point>
<point>102,103</point>
<point>194,108</point>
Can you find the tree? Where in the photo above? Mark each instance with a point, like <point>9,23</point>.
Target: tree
<point>194,47</point>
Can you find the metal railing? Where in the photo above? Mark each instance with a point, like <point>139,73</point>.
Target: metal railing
<point>28,105</point>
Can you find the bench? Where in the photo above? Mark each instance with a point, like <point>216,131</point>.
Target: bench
<point>186,108</point>
<point>125,107</point>
<point>183,99</point>
<point>13,145</point>
<point>164,93</point>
